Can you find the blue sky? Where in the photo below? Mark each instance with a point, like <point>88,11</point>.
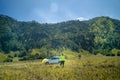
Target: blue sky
<point>52,11</point>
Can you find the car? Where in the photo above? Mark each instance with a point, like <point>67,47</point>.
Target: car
<point>53,60</point>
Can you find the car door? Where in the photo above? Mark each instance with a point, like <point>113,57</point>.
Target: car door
<point>54,60</point>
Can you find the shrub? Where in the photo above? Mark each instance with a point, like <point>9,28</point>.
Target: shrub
<point>107,54</point>
<point>115,51</point>
<point>2,57</point>
<point>79,56</point>
<point>10,56</point>
<point>23,58</point>
<point>8,60</point>
<point>23,53</point>
<point>118,54</point>
<point>112,54</point>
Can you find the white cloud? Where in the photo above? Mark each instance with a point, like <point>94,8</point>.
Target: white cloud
<point>73,16</point>
<point>81,18</point>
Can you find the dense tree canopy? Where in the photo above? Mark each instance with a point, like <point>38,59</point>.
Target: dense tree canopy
<point>97,35</point>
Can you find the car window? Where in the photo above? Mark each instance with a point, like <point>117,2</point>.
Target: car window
<point>55,58</point>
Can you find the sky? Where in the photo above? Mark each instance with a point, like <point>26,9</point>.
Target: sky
<point>53,11</point>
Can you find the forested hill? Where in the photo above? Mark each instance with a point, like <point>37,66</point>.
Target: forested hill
<point>97,35</point>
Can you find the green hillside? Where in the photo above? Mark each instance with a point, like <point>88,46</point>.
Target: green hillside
<point>97,35</point>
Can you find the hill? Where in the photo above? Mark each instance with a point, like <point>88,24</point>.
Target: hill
<point>97,35</point>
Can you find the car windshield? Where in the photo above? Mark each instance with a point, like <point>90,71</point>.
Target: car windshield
<point>55,58</point>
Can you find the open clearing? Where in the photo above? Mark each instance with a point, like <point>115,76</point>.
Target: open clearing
<point>86,68</point>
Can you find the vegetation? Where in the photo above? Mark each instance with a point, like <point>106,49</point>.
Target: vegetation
<point>86,68</point>
<point>33,40</point>
<point>78,40</point>
<point>2,57</point>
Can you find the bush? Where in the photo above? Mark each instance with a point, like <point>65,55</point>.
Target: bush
<point>112,54</point>
<point>115,51</point>
<point>118,54</point>
<point>22,54</point>
<point>24,58</point>
<point>2,57</point>
<point>107,54</point>
<point>30,57</point>
<point>8,60</point>
<point>79,56</point>
<point>10,56</point>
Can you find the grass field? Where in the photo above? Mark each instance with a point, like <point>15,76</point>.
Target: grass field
<point>85,68</point>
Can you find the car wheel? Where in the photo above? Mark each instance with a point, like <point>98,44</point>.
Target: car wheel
<point>59,62</point>
<point>47,63</point>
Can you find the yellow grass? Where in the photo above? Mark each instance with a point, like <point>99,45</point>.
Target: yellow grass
<point>86,68</point>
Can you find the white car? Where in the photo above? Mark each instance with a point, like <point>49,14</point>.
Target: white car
<point>53,60</point>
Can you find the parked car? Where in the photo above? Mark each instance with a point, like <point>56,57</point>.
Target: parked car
<point>53,60</point>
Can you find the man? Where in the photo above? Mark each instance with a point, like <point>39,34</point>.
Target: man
<point>62,60</point>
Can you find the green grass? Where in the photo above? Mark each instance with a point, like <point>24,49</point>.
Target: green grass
<point>86,68</point>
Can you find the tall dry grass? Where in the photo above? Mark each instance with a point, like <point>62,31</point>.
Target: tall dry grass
<point>86,68</point>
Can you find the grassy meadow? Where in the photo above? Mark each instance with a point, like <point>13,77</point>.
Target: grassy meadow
<point>86,68</point>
